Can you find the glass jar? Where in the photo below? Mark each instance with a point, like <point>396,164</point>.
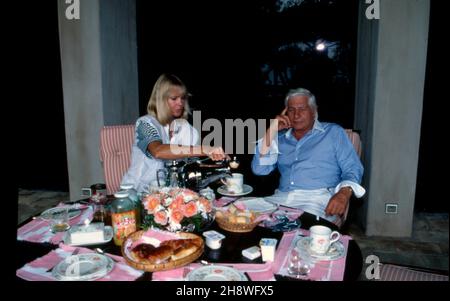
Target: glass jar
<point>134,197</point>
<point>123,217</point>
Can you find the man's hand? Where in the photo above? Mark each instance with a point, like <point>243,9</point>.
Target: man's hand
<point>283,120</point>
<point>338,202</point>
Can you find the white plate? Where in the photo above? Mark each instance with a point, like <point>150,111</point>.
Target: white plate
<point>259,205</point>
<point>47,214</point>
<point>246,189</point>
<point>336,251</point>
<point>83,267</point>
<point>108,235</point>
<point>215,273</point>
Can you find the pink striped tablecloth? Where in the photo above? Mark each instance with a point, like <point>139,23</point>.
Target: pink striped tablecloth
<point>323,270</point>
<point>38,230</point>
<point>37,269</point>
<point>256,271</point>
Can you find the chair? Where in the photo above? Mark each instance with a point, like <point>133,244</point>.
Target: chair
<point>391,272</point>
<point>115,153</point>
<point>356,141</point>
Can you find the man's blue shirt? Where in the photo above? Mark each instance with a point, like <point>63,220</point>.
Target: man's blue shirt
<point>323,158</point>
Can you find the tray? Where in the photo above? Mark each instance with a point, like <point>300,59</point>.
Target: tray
<point>160,266</point>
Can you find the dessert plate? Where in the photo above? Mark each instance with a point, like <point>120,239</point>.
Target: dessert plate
<point>83,267</point>
<point>215,273</point>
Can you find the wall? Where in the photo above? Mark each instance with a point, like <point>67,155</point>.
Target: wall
<point>99,71</point>
<point>390,81</point>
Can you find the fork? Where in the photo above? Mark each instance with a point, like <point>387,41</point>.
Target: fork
<point>75,252</point>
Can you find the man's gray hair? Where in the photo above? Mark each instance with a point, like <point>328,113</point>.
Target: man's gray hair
<point>301,91</point>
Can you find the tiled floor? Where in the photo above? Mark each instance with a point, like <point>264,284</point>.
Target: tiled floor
<point>427,248</point>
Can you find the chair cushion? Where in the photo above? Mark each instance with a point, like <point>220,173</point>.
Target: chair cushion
<point>115,153</point>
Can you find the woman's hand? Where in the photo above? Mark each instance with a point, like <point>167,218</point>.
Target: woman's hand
<point>216,153</point>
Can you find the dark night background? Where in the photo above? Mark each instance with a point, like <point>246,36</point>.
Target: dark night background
<point>219,49</point>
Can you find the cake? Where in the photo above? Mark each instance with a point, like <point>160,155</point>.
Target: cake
<point>84,234</point>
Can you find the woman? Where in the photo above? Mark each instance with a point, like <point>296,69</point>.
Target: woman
<point>164,134</point>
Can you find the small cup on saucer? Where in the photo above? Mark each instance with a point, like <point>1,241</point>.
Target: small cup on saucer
<point>235,183</point>
<point>321,239</point>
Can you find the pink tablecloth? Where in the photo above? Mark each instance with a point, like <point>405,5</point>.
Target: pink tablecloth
<point>38,230</point>
<point>328,270</point>
<point>257,272</point>
<point>37,269</point>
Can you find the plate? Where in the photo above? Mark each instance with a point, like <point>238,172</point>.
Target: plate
<point>215,273</point>
<point>246,189</point>
<point>108,235</point>
<point>336,251</point>
<point>83,267</point>
<point>47,214</point>
<point>259,205</point>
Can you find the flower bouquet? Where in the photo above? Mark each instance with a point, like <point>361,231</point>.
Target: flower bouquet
<point>175,209</point>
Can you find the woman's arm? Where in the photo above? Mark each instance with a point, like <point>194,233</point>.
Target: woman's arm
<point>173,152</point>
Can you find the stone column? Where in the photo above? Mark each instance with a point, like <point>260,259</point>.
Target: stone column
<point>392,53</point>
<point>100,86</point>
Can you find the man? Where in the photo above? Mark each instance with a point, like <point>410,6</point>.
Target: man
<point>319,167</point>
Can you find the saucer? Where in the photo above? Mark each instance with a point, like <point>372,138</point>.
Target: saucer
<point>246,189</point>
<point>336,250</point>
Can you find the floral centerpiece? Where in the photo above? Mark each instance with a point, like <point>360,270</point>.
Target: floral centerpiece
<point>176,209</point>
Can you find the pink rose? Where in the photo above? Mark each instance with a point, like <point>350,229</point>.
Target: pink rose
<point>161,217</point>
<point>189,209</point>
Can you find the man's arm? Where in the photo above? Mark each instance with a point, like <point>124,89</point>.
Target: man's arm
<point>352,171</point>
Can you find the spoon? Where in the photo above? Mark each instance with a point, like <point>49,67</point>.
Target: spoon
<point>100,251</point>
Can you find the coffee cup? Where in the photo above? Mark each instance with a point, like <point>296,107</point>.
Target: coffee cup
<point>234,183</point>
<point>321,239</point>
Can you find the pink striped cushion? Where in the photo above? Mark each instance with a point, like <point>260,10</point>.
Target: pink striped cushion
<point>115,153</point>
<point>355,139</point>
<point>390,272</point>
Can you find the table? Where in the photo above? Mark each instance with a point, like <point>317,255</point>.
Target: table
<point>230,251</point>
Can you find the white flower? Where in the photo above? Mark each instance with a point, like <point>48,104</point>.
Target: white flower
<point>167,201</point>
<point>174,226</point>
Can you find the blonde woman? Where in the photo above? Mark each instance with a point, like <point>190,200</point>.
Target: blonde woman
<point>164,134</point>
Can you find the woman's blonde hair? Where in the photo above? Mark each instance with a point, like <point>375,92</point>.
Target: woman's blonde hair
<point>157,105</point>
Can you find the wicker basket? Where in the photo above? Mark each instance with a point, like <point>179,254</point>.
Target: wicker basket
<point>235,227</point>
<point>160,266</point>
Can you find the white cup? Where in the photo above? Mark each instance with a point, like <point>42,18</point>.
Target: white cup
<point>321,239</point>
<point>235,183</point>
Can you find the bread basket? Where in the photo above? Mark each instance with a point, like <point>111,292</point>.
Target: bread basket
<point>225,224</point>
<point>172,264</point>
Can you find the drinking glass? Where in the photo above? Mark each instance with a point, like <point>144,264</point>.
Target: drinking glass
<point>299,263</point>
<point>60,220</point>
